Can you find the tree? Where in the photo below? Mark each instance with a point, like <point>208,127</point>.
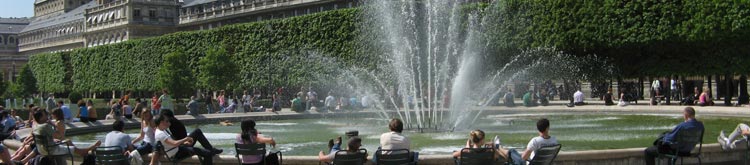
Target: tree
<point>26,82</point>
<point>217,69</point>
<point>3,84</point>
<point>175,74</point>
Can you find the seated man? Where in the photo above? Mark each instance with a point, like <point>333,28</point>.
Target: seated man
<point>394,140</point>
<point>662,145</point>
<point>47,130</point>
<point>297,105</point>
<point>543,140</point>
<point>182,147</point>
<point>729,143</point>
<point>508,98</point>
<point>118,138</point>
<point>528,100</point>
<point>578,98</point>
<point>178,131</point>
<point>352,147</point>
<point>66,111</point>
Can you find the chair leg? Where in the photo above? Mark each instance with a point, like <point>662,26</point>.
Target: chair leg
<point>699,160</point>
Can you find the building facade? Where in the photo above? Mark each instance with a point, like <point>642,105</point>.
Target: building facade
<point>10,58</point>
<point>62,25</point>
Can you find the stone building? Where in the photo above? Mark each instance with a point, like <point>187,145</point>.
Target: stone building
<point>10,59</point>
<point>62,25</point>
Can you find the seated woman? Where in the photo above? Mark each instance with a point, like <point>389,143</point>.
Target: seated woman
<point>704,99</point>
<point>608,98</point>
<point>623,101</point>
<point>148,133</point>
<point>250,135</point>
<point>476,140</point>
<point>352,147</point>
<point>48,131</point>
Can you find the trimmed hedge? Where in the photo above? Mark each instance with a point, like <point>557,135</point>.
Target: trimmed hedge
<point>50,72</point>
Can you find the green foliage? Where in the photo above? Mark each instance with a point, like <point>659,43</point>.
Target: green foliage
<point>217,69</point>
<point>175,74</point>
<point>74,97</point>
<point>3,84</point>
<point>50,72</point>
<point>26,83</point>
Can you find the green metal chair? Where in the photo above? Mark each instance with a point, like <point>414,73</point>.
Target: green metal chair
<point>344,157</point>
<point>545,155</point>
<point>476,156</point>
<point>160,149</point>
<point>40,140</point>
<point>690,137</point>
<point>110,155</point>
<point>253,149</point>
<point>394,157</point>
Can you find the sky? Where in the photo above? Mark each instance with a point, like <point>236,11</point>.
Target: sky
<point>16,8</point>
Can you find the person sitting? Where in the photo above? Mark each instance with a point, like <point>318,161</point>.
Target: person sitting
<point>45,129</point>
<point>297,105</point>
<point>147,134</point>
<point>692,99</point>
<point>608,98</point>
<point>662,144</point>
<point>67,115</point>
<point>705,99</point>
<point>543,97</point>
<point>179,148</point>
<point>476,140</point>
<point>739,134</point>
<point>250,135</point>
<point>623,100</point>
<point>394,140</point>
<point>232,106</point>
<point>8,125</point>
<point>57,114</point>
<point>508,99</point>
<point>118,138</point>
<point>527,99</point>
<point>83,112</point>
<point>578,98</point>
<point>536,143</point>
<point>352,147</point>
<point>330,102</point>
<point>178,131</point>
<point>192,106</point>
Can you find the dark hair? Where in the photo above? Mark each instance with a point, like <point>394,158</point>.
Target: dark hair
<point>354,144</point>
<point>542,124</point>
<point>690,111</point>
<point>167,113</point>
<point>118,125</point>
<point>248,130</point>
<point>60,102</point>
<point>396,125</point>
<point>81,103</point>
<point>38,115</point>
<point>159,119</point>
<point>57,113</point>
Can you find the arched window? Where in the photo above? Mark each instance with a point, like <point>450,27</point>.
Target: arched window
<point>2,41</point>
<point>11,40</point>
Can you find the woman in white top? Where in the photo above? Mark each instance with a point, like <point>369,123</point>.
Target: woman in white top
<point>147,135</point>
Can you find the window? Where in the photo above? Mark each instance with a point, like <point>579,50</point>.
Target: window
<point>136,12</point>
<point>152,13</point>
<point>11,40</point>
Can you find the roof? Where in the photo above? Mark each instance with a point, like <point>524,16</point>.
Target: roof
<point>13,25</point>
<point>75,14</point>
<point>188,3</point>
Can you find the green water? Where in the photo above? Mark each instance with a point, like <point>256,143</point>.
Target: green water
<point>575,132</point>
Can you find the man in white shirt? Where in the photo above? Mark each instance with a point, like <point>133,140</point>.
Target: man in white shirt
<point>179,148</point>
<point>536,143</point>
<point>118,138</point>
<point>394,140</point>
<point>330,102</point>
<point>655,86</point>
<point>578,98</point>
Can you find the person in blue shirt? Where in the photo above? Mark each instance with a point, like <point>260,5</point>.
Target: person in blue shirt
<point>662,144</point>
<point>66,111</point>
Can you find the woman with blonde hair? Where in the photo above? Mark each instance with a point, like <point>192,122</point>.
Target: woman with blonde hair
<point>705,98</point>
<point>147,134</point>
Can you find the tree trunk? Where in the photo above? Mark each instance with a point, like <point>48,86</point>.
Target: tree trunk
<point>640,88</point>
<point>728,89</point>
<point>742,98</point>
<point>709,87</point>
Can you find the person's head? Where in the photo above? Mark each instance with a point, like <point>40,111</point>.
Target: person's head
<point>137,100</point>
<point>81,103</point>
<point>695,90</point>
<point>31,106</point>
<point>118,125</point>
<point>248,129</point>
<point>164,91</point>
<point>13,112</point>
<point>162,122</point>
<point>60,103</point>
<point>146,114</point>
<point>330,93</point>
<point>542,125</point>
<point>354,144</point>
<point>705,89</point>
<point>40,117</point>
<point>167,113</point>
<point>477,136</point>
<point>688,113</point>
<point>89,103</point>
<point>192,97</point>
<point>57,114</point>
<point>396,125</point>
<point>245,92</point>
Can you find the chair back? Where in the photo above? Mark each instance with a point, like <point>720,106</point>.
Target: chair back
<point>393,157</point>
<point>250,149</point>
<point>42,140</point>
<point>477,156</point>
<point>160,149</point>
<point>690,137</point>
<point>545,155</point>
<point>344,157</point>
<point>110,155</point>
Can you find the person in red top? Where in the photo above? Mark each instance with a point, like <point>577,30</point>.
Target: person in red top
<point>155,105</point>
